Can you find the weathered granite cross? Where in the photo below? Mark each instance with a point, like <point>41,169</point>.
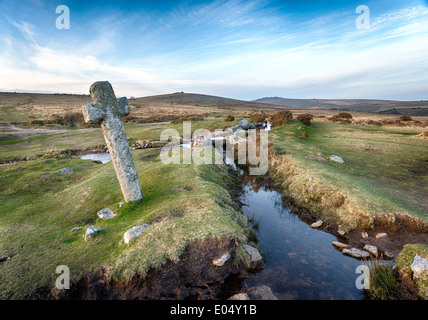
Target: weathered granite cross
<point>108,111</point>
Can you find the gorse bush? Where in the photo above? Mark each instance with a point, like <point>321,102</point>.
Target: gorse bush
<point>281,117</point>
<point>342,117</point>
<point>305,118</point>
<point>304,135</point>
<point>258,116</point>
<point>405,118</point>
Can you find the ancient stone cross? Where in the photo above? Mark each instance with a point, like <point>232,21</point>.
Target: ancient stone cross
<point>108,111</point>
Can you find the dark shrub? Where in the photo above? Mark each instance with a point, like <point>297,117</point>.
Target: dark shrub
<point>230,118</point>
<point>281,117</point>
<point>305,118</point>
<point>405,118</point>
<point>258,116</point>
<point>344,115</point>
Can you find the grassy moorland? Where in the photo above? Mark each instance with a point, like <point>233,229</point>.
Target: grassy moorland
<point>384,170</point>
<point>39,208</point>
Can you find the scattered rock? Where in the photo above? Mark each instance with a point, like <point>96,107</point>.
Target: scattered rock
<point>66,170</point>
<point>419,266</point>
<point>337,159</point>
<point>90,231</point>
<point>356,253</point>
<point>371,249</point>
<point>43,175</point>
<point>310,179</point>
<point>340,245</point>
<point>261,293</point>
<point>76,229</point>
<point>222,260</point>
<point>364,235</point>
<point>317,224</point>
<point>254,253</point>
<point>133,233</point>
<point>239,296</point>
<point>311,188</point>
<point>381,235</point>
<point>106,213</point>
<point>121,203</point>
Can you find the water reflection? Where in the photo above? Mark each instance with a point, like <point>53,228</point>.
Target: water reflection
<point>301,262</point>
<point>103,157</point>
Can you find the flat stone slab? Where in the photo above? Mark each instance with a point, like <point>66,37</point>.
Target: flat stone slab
<point>340,245</point>
<point>106,213</point>
<point>372,249</point>
<point>134,232</point>
<point>356,253</point>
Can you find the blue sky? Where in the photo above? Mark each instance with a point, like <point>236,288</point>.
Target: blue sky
<point>238,49</point>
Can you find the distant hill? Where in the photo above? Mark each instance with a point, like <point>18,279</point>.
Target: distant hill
<point>202,100</point>
<point>366,105</point>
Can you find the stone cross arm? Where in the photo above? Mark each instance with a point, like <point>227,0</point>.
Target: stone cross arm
<point>105,103</point>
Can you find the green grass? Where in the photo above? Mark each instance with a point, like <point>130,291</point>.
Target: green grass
<point>182,203</point>
<point>385,169</point>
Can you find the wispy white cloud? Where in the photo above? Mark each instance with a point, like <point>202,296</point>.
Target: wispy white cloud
<point>27,29</point>
<point>238,48</point>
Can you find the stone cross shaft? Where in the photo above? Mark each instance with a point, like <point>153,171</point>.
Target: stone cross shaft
<point>108,111</point>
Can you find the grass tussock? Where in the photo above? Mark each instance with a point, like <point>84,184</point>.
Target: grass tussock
<point>385,284</point>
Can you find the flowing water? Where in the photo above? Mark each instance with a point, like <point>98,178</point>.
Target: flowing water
<point>301,261</point>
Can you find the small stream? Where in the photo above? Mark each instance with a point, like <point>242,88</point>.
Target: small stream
<point>301,261</point>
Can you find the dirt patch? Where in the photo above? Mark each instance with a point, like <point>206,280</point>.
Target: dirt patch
<point>193,277</point>
<point>8,128</point>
